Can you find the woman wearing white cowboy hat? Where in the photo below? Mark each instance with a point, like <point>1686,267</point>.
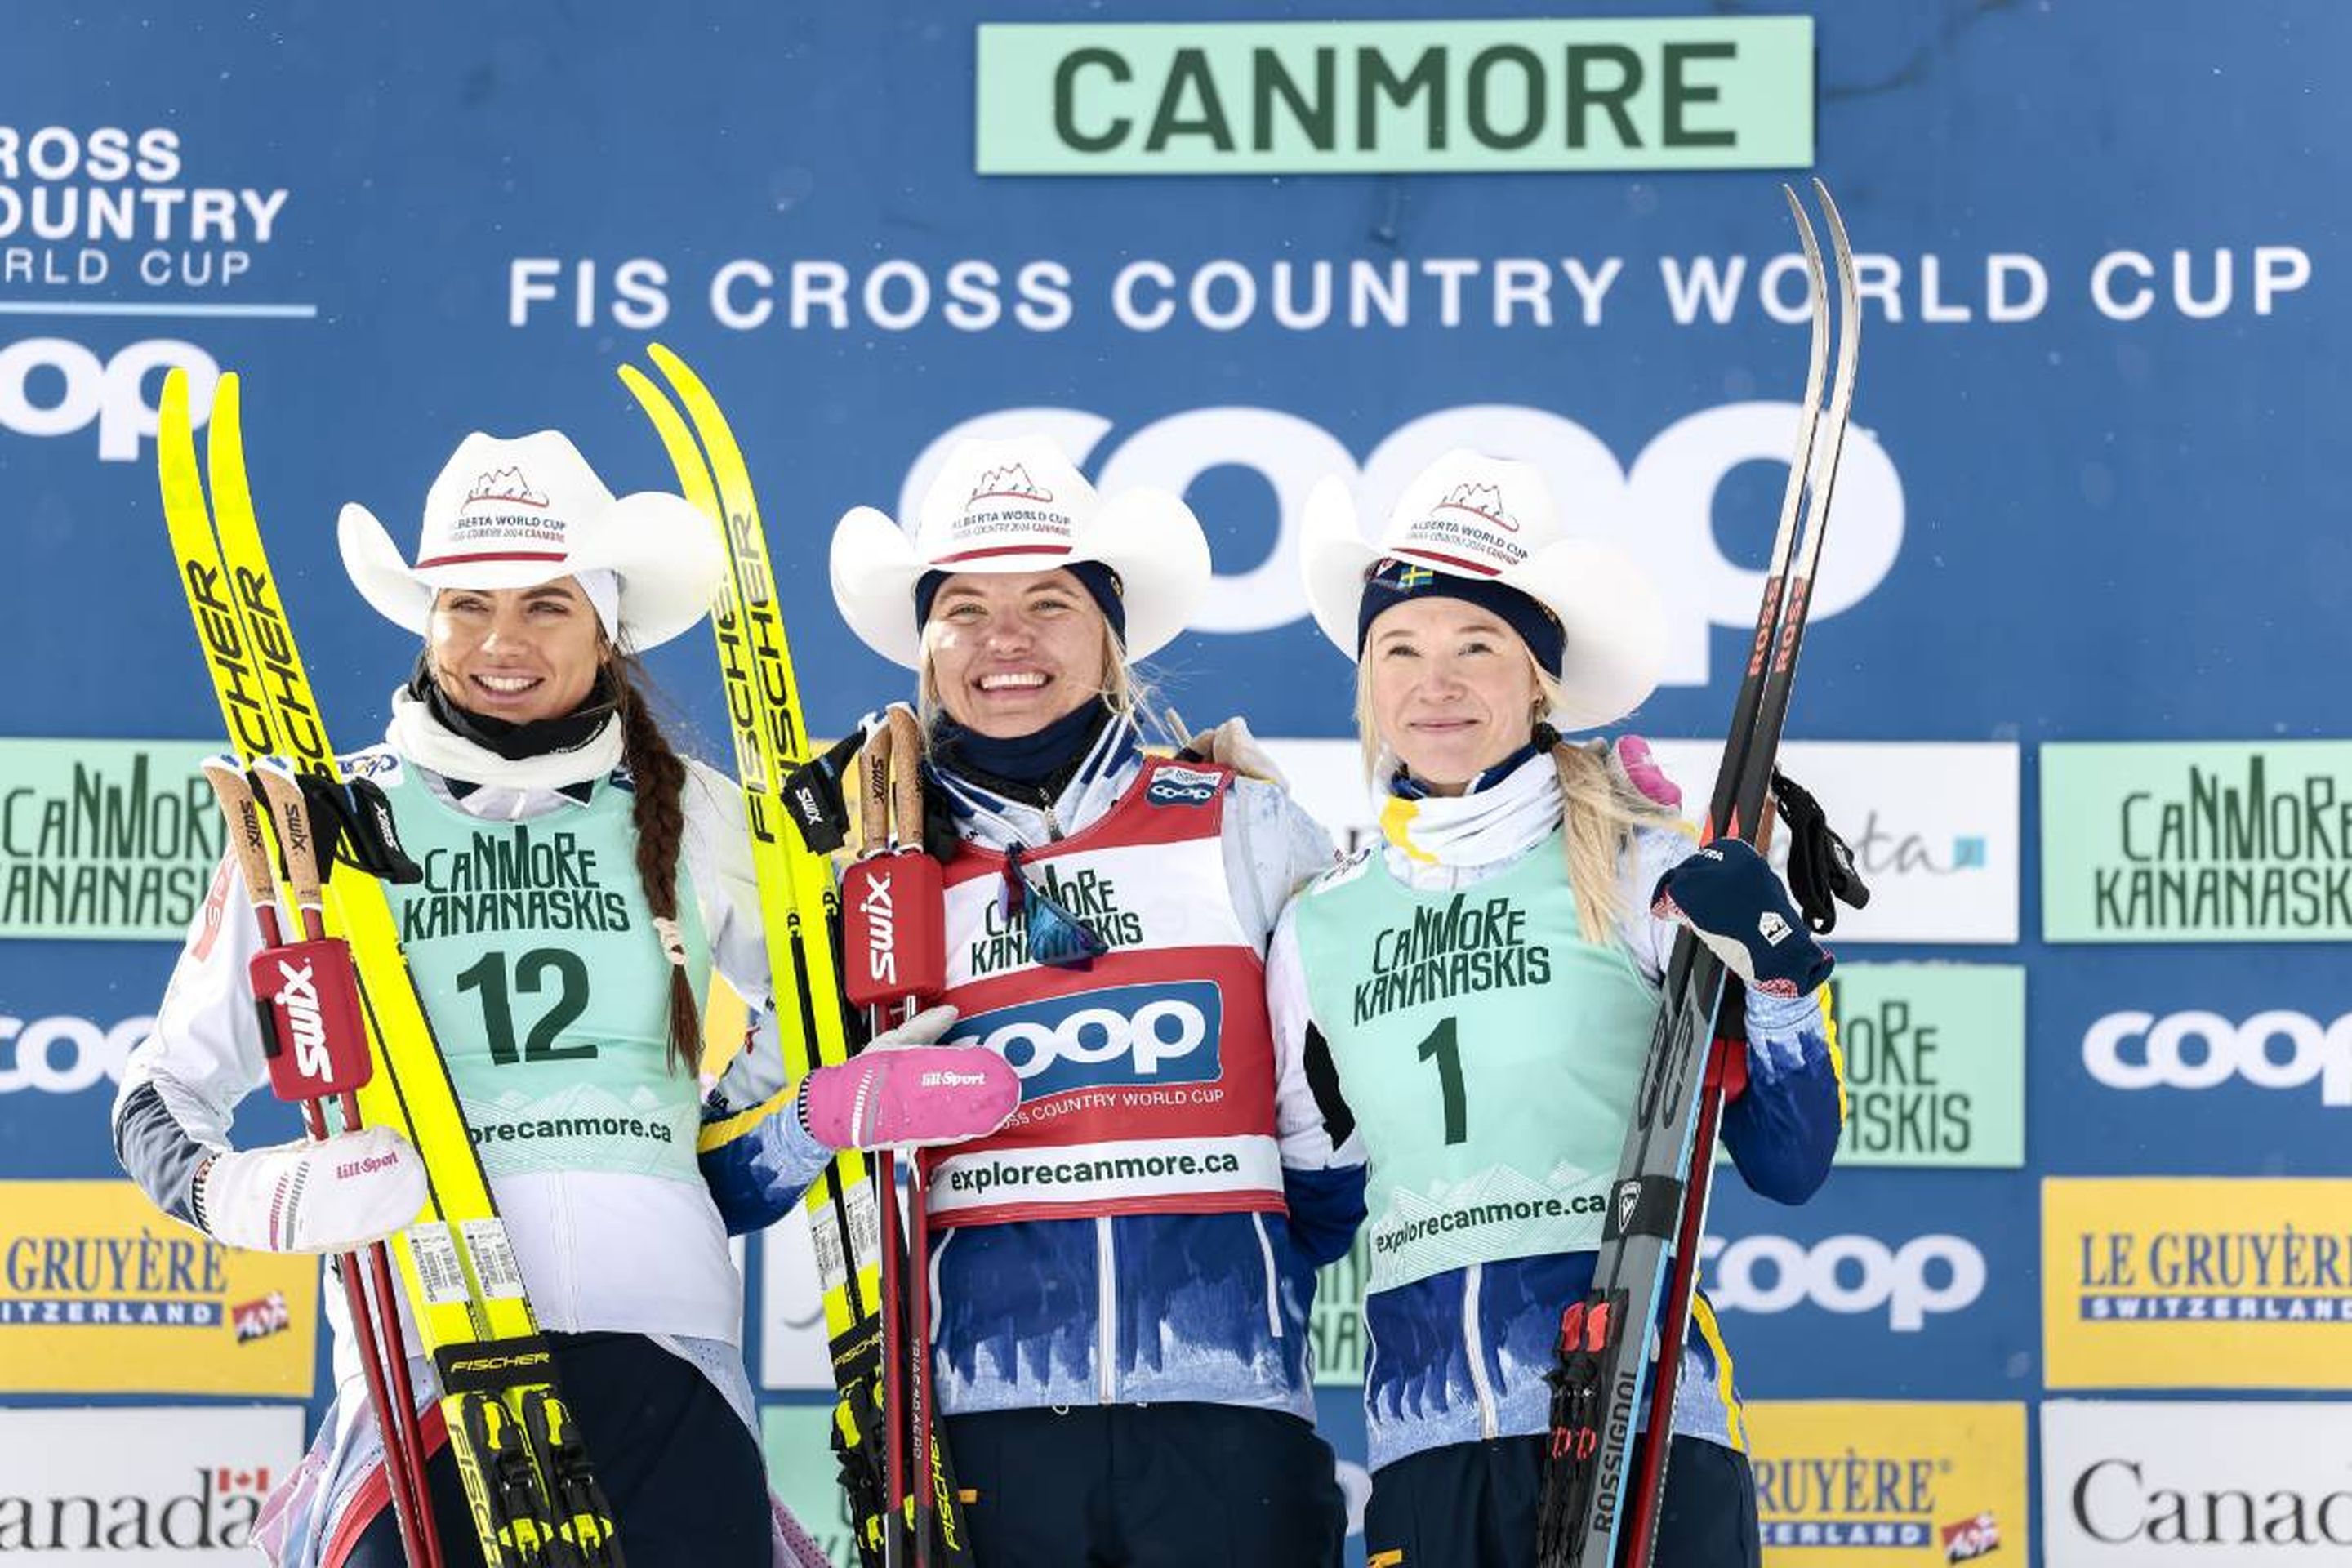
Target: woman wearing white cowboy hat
<point>1486,980</point>
<point>1122,1275</point>
<point>581,883</point>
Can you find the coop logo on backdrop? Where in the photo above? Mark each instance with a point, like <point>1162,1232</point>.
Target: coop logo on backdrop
<point>2208,1283</point>
<point>58,386</point>
<point>1892,1484</point>
<point>2279,1049</point>
<point>2141,1485</point>
<point>2164,841</point>
<point>1659,509</point>
<point>156,1486</point>
<point>62,1054</point>
<point>1906,1283</point>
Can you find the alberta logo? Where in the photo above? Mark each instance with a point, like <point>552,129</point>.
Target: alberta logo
<point>505,485</point>
<point>1483,502</point>
<point>1011,482</point>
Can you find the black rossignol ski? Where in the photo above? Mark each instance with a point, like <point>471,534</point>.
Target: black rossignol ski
<point>1659,1200</point>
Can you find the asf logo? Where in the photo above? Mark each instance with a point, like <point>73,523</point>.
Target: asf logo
<point>1124,1037</point>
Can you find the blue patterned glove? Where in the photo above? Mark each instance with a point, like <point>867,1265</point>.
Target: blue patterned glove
<point>1733,901</point>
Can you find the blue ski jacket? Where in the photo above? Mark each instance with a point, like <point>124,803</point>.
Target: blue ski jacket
<point>1132,1308</point>
<point>1460,1356</point>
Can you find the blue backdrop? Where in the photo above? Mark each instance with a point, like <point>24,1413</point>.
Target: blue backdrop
<point>2094,522</point>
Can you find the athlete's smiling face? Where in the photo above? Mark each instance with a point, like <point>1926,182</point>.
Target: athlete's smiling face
<point>516,653</point>
<point>1008,653</point>
<point>1453,690</point>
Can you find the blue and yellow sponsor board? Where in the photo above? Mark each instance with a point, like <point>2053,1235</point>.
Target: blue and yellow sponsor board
<point>2172,1282</point>
<point>1857,1484</point>
<point>101,1294</point>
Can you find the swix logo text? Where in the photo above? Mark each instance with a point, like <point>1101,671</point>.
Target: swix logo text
<point>304,1023</point>
<point>881,929</point>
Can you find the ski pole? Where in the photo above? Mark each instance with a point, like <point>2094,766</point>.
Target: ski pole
<point>894,907</point>
<point>309,1059</point>
<point>923,935</point>
<point>872,987</point>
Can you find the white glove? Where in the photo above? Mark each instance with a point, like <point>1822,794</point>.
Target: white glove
<point>336,1194</point>
<point>1232,745</point>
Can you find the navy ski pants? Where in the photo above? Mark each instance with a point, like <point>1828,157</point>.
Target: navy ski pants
<point>1148,1486</point>
<point>683,1474</point>
<point>1473,1505</point>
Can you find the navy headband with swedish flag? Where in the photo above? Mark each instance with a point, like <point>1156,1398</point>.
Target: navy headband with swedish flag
<point>1393,580</point>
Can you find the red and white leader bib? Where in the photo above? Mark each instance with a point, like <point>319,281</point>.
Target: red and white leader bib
<point>1147,1081</point>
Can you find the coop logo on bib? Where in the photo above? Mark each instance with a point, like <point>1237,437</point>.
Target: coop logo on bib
<point>1124,1037</point>
<point>1182,786</point>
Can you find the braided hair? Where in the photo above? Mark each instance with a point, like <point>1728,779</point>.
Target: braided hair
<point>658,815</point>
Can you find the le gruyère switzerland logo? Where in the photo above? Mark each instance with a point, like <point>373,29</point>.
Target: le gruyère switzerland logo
<point>1011,482</point>
<point>505,485</point>
<point>1483,502</point>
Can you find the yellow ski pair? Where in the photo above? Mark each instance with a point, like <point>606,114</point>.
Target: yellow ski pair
<point>532,1499</point>
<point>799,905</point>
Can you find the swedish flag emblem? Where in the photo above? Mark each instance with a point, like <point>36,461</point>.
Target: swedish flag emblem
<point>1413,577</point>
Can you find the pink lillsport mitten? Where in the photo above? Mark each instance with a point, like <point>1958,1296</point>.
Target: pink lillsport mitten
<point>1631,759</point>
<point>904,1092</point>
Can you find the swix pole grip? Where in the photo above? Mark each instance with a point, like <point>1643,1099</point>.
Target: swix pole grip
<point>315,1041</point>
<point>893,930</point>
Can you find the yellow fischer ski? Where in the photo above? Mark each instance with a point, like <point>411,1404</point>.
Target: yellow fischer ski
<point>528,1485</point>
<point>799,906</point>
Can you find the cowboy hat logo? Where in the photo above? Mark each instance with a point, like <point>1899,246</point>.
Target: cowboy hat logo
<point>1011,482</point>
<point>1481,501</point>
<point>506,485</point>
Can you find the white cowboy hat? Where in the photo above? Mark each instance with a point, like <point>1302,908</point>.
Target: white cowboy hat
<point>515,513</point>
<point>1487,520</point>
<point>1018,505</point>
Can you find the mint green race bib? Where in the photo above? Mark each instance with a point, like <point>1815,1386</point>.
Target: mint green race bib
<point>1490,1055</point>
<point>535,955</point>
